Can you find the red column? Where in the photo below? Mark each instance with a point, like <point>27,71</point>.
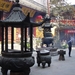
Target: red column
<point>34,31</point>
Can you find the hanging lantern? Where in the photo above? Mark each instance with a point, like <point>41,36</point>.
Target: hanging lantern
<point>39,18</point>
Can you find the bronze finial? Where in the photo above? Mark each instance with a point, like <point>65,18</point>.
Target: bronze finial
<point>17,1</point>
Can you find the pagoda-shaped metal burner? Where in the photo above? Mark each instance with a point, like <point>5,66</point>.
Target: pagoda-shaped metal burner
<point>17,61</point>
<point>48,37</point>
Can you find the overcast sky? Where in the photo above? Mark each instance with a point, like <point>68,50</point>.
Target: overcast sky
<point>71,1</point>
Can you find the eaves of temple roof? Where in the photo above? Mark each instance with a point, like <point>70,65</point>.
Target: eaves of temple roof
<point>34,5</point>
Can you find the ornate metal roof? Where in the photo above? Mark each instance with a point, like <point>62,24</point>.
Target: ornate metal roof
<point>16,15</point>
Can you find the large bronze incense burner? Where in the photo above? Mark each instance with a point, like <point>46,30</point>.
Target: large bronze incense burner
<point>17,61</point>
<point>43,55</point>
<point>48,37</point>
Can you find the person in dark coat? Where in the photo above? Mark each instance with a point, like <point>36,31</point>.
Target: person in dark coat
<point>70,47</point>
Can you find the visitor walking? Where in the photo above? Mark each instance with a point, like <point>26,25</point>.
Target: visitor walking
<point>70,47</point>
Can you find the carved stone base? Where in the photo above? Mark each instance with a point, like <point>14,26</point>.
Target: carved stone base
<point>61,54</point>
<point>20,73</point>
<point>53,50</point>
<point>13,73</point>
<point>61,58</point>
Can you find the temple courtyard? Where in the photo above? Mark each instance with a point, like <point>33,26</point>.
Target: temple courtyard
<point>57,67</point>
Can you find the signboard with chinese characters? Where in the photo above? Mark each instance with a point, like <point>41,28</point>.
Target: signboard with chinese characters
<point>70,31</point>
<point>27,10</point>
<point>5,6</point>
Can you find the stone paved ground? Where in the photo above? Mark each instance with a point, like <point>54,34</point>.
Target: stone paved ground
<point>57,67</point>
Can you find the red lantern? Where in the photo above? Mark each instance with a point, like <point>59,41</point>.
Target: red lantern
<point>39,17</point>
